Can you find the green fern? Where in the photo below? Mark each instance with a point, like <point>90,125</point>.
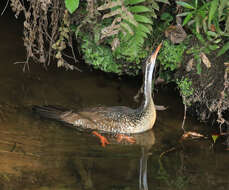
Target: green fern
<point>131,24</point>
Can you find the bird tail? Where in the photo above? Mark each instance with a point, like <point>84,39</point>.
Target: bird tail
<point>50,112</point>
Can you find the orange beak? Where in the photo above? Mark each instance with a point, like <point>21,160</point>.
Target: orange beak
<point>154,55</point>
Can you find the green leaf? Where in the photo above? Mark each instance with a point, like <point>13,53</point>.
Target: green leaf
<point>166,17</point>
<point>185,5</point>
<point>71,5</point>
<point>222,5</point>
<point>227,25</point>
<point>213,8</point>
<point>187,18</point>
<point>155,5</point>
<point>144,19</point>
<point>198,68</point>
<point>127,27</point>
<point>213,34</point>
<point>163,1</point>
<point>217,41</point>
<point>133,2</point>
<point>215,137</point>
<point>143,28</point>
<point>139,9</point>
<point>184,14</point>
<point>223,49</point>
<point>213,47</point>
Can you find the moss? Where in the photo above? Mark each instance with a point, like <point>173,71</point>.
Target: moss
<point>99,56</point>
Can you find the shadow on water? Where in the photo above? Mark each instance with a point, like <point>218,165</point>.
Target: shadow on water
<point>39,154</point>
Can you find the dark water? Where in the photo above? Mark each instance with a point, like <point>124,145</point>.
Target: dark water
<point>38,154</point>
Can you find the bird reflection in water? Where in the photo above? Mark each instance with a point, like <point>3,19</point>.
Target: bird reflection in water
<point>145,141</point>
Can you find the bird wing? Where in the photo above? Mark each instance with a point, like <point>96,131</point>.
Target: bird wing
<point>97,118</point>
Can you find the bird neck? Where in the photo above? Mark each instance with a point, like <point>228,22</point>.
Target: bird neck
<point>148,85</point>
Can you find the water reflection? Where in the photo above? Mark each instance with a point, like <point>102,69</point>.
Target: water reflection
<point>144,141</point>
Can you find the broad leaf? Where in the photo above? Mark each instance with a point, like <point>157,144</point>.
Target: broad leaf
<point>133,2</point>
<point>139,9</point>
<point>71,5</point>
<point>184,4</point>
<point>183,14</point>
<point>223,49</point>
<point>187,18</point>
<point>213,8</point>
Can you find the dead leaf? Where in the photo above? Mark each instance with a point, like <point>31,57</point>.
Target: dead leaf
<point>205,60</point>
<point>175,33</point>
<point>109,5</point>
<point>159,80</point>
<point>160,108</point>
<point>189,65</point>
<point>213,29</point>
<point>115,43</point>
<point>226,64</point>
<point>192,135</point>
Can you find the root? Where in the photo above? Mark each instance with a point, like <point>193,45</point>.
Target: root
<point>43,20</point>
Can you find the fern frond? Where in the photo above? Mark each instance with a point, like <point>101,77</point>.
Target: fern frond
<point>144,19</point>
<point>131,23</point>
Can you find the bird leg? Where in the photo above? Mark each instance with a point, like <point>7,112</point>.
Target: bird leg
<point>120,137</point>
<point>103,139</point>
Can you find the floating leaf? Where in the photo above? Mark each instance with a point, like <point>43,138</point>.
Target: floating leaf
<point>71,5</point>
<point>215,137</point>
<point>192,135</point>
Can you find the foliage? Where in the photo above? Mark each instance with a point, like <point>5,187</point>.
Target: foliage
<point>205,45</point>
<point>170,58</point>
<point>71,5</point>
<point>98,56</point>
<point>210,16</point>
<point>130,24</point>
<point>185,87</point>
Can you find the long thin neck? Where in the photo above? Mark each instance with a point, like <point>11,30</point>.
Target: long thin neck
<point>148,85</point>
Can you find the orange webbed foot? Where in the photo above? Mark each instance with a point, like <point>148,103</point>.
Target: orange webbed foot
<point>103,139</point>
<point>120,137</point>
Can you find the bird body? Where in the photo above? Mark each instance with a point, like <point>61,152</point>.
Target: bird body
<point>116,119</point>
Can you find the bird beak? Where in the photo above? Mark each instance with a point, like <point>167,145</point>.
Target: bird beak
<point>154,55</point>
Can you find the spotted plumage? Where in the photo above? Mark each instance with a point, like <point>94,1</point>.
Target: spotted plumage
<point>117,119</point>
